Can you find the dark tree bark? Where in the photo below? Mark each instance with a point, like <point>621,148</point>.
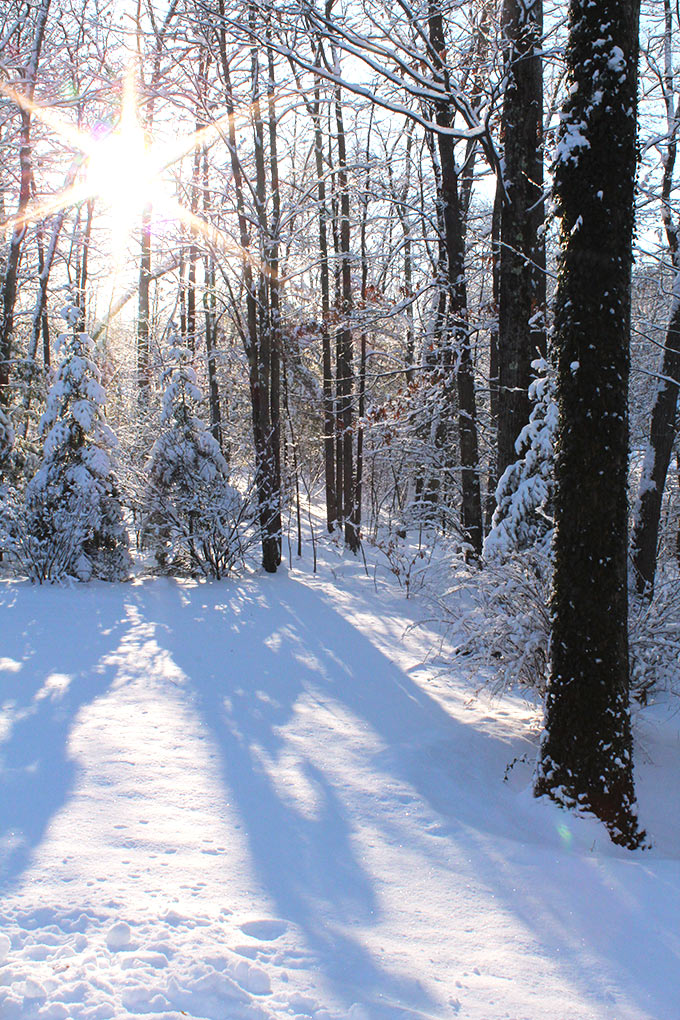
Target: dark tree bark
<point>521,327</point>
<point>586,753</point>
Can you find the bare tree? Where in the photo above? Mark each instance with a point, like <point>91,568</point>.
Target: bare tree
<point>8,295</point>
<point>521,328</point>
<point>663,426</point>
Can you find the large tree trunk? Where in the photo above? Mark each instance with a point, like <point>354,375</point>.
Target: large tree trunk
<point>586,753</point>
<point>521,328</point>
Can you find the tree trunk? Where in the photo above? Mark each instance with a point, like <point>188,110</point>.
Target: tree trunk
<point>664,422</point>
<point>144,307</point>
<point>324,281</point>
<point>83,267</point>
<point>358,494</point>
<point>521,333</point>
<point>657,458</point>
<point>145,276</point>
<point>256,335</point>
<point>210,312</point>
<point>272,267</point>
<point>586,753</point>
<point>345,360</point>
<point>493,351</point>
<point>10,276</point>
<point>455,257</point>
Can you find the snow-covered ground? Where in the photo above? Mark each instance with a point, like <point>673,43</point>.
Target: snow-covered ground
<point>258,799</point>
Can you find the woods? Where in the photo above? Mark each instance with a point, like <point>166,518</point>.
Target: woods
<point>400,249</point>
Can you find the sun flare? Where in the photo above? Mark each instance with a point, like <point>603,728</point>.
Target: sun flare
<point>124,169</point>
<point>120,171</point>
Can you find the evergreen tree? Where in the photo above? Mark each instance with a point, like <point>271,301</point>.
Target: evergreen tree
<point>6,441</point>
<point>73,523</point>
<point>191,512</point>
<point>586,753</point>
<point>524,496</point>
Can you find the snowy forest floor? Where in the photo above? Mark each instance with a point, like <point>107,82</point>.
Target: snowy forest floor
<point>260,799</point>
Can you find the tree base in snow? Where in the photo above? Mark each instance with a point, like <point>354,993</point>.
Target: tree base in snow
<point>609,800</point>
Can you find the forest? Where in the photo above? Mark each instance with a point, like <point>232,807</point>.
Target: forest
<point>384,293</point>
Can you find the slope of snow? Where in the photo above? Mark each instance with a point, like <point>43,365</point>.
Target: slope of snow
<point>255,800</point>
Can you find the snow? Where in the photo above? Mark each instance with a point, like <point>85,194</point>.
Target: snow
<point>573,139</point>
<point>261,799</point>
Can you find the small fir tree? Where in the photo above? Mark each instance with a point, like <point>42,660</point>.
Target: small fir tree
<point>73,523</point>
<point>523,516</point>
<point>6,441</point>
<point>191,512</point>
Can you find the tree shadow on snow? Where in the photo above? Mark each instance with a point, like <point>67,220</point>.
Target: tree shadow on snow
<point>255,662</point>
<point>268,650</point>
<point>54,640</point>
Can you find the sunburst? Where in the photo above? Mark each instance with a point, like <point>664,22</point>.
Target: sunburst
<point>123,169</point>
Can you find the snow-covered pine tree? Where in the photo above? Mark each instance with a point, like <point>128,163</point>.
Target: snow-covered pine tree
<point>6,445</point>
<point>192,514</point>
<point>6,441</point>
<point>73,523</point>
<point>523,515</point>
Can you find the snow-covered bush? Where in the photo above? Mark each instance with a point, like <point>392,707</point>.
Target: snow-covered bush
<point>72,519</point>
<point>498,618</point>
<point>523,515</point>
<point>654,635</point>
<point>6,444</point>
<point>192,517</point>
<point>500,615</point>
<point>408,558</point>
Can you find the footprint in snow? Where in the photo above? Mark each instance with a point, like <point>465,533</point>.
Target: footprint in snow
<point>252,979</point>
<point>265,931</point>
